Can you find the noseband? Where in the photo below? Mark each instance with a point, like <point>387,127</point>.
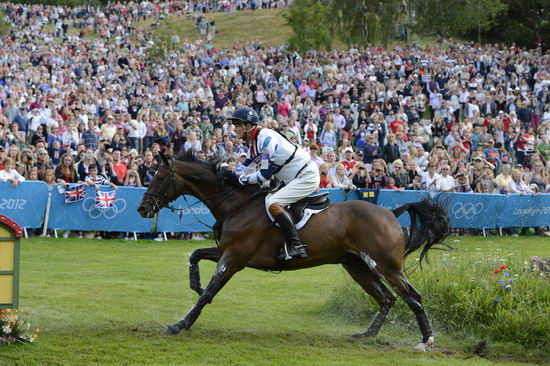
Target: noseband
<point>159,200</point>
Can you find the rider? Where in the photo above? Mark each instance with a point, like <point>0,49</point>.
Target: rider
<point>277,156</point>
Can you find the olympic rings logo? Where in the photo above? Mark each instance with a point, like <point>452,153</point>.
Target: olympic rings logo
<point>466,210</point>
<point>95,212</point>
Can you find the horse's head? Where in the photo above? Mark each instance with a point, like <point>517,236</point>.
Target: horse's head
<point>162,190</point>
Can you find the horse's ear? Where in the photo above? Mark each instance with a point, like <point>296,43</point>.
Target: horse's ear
<point>164,159</point>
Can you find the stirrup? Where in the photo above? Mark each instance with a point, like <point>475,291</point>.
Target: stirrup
<point>287,255</point>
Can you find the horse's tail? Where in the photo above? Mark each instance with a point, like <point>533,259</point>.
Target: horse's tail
<point>430,225</point>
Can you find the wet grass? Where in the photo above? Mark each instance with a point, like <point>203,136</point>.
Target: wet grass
<point>106,302</point>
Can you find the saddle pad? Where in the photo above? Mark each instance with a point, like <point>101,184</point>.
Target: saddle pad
<point>308,212</point>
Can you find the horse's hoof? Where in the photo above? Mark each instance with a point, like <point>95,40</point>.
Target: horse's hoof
<point>423,347</point>
<point>171,330</point>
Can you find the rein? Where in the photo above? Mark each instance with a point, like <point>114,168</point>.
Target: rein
<point>161,202</point>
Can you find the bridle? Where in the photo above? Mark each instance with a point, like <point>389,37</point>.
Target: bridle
<point>160,200</point>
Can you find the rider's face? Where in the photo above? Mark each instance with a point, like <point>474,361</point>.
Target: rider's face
<point>240,130</point>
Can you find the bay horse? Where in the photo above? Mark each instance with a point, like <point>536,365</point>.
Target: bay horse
<point>367,240</point>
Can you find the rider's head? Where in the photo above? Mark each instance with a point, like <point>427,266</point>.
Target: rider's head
<point>245,120</point>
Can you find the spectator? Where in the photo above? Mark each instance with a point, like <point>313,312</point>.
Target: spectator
<point>341,180</point>
<point>95,179</point>
<point>378,178</point>
<point>446,182</point>
<point>391,150</point>
<point>371,151</point>
<point>65,172</point>
<point>503,179</point>
<point>325,181</point>
<point>359,176</point>
<point>517,185</point>
<point>430,179</point>
<point>10,174</point>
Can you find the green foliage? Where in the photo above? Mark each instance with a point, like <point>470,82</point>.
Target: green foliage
<point>525,22</point>
<point>463,294</point>
<point>311,24</point>
<point>454,18</point>
<point>160,50</point>
<point>362,21</point>
<point>105,302</point>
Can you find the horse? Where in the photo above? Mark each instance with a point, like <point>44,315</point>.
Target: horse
<point>366,239</point>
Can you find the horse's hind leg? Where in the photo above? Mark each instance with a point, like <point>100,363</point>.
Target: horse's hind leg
<point>370,282</point>
<point>212,254</point>
<point>414,301</point>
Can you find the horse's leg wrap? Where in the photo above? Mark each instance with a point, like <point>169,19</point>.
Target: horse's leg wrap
<point>414,302</point>
<point>212,254</point>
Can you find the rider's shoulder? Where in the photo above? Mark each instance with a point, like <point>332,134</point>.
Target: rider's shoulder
<point>268,132</point>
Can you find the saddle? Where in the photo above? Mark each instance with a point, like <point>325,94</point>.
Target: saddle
<point>315,202</point>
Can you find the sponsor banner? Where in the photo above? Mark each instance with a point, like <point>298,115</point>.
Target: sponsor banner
<point>87,215</point>
<point>24,204</point>
<point>191,216</point>
<point>526,211</point>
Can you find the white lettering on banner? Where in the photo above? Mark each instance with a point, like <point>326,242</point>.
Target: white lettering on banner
<point>531,211</point>
<point>466,210</point>
<point>12,204</point>
<point>199,210</point>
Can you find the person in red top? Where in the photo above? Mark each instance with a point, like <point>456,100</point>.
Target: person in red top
<point>395,124</point>
<point>1,157</point>
<point>118,166</point>
<point>348,161</point>
<point>323,173</point>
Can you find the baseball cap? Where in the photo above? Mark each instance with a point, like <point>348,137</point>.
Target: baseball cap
<point>243,154</point>
<point>348,149</point>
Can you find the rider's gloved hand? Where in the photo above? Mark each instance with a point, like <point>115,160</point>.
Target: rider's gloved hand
<point>230,178</point>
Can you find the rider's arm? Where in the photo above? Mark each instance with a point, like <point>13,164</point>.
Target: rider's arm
<point>268,149</point>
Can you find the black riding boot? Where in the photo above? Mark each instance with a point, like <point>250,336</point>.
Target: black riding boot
<point>294,246</point>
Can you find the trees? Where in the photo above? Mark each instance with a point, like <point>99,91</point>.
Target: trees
<point>311,25</point>
<point>526,22</point>
<point>363,21</point>
<point>454,18</point>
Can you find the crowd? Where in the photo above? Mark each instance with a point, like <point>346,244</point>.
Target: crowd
<point>460,119</point>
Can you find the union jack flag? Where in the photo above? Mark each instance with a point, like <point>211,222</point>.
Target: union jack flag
<point>75,192</point>
<point>105,199</point>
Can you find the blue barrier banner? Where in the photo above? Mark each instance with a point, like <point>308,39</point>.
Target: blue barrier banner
<point>391,199</point>
<point>526,211</point>
<point>475,210</point>
<point>189,217</point>
<point>24,204</point>
<point>84,215</point>
<point>339,195</point>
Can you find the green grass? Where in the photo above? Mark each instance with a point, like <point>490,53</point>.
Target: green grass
<point>106,302</point>
<point>266,26</point>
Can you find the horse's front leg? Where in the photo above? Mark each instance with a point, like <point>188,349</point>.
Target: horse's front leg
<point>212,254</point>
<point>225,269</point>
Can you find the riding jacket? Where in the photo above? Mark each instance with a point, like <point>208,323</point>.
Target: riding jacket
<point>276,156</point>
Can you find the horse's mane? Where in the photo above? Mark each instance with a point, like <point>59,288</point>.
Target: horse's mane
<point>189,156</point>
<point>212,165</point>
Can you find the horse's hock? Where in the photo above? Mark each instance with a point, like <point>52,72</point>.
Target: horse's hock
<point>10,233</point>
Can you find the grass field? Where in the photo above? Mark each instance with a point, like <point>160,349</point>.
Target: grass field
<point>106,302</point>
